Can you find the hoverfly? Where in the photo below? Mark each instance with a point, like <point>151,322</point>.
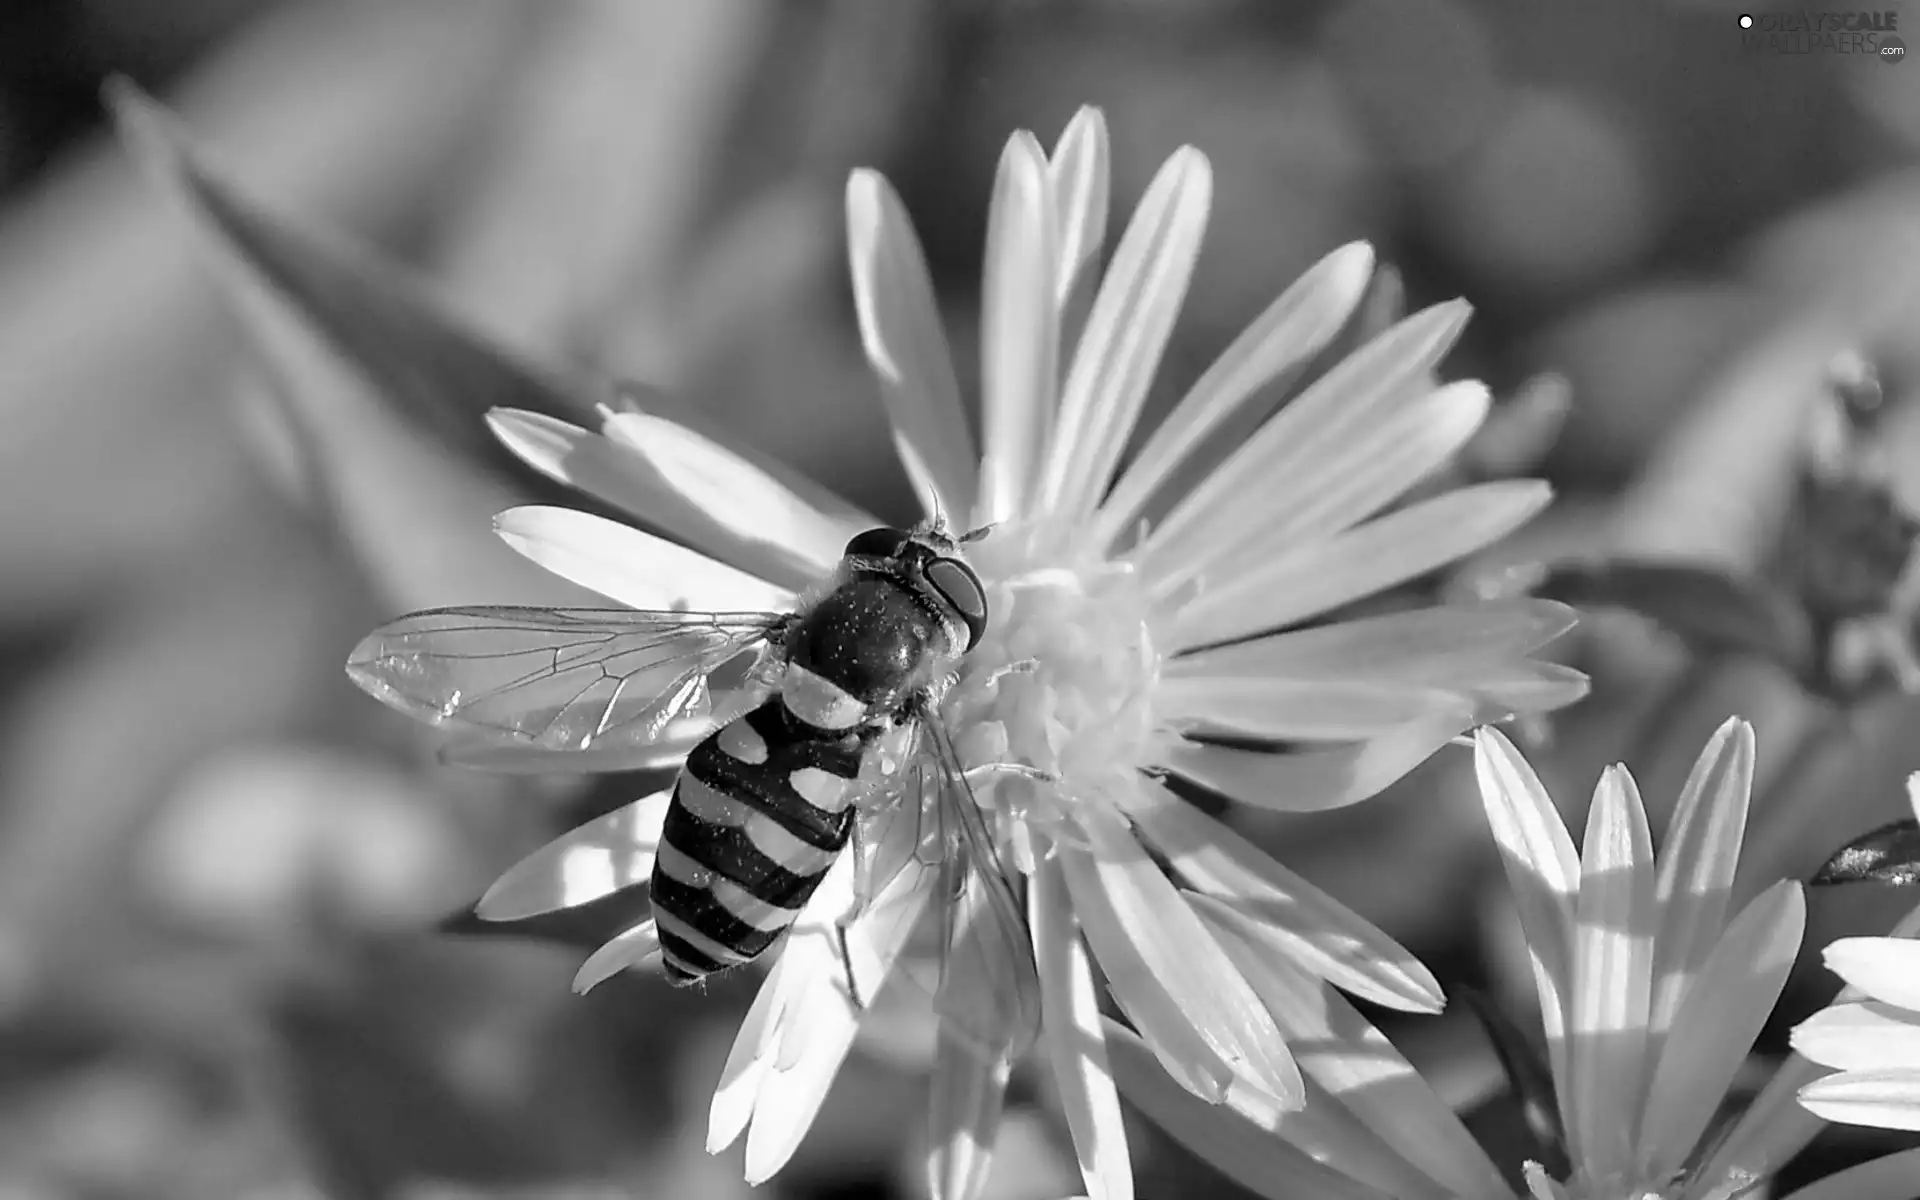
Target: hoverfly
<point>802,708</point>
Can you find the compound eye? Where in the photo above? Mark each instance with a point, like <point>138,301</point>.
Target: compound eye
<point>960,587</point>
<point>884,542</point>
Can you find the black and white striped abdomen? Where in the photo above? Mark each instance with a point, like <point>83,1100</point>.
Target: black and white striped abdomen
<point>761,810</point>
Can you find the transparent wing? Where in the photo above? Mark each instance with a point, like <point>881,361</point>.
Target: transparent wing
<point>568,681</point>
<point>989,990</point>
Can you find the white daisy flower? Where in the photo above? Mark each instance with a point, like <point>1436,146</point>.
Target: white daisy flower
<point>1650,997</point>
<point>1161,624</point>
<point>1870,1034</point>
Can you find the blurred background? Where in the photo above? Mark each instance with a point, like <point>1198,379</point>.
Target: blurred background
<point>222,870</point>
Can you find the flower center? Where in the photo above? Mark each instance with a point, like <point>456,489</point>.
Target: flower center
<point>1062,681</point>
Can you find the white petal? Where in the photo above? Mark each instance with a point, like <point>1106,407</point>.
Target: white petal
<point>1526,687</point>
<point>1717,1022</point>
<point>747,1062</point>
<point>1295,919</point>
<point>1245,1152</point>
<point>1164,1029</point>
<point>1347,483</point>
<point>799,1030</point>
<point>1126,332</point>
<point>585,863</point>
<point>818,1010</point>
<point>634,568</point>
<point>905,343</point>
<point>1313,780</point>
<point>1369,470</point>
<point>1544,874</point>
<point>1321,710</point>
<point>1885,968</point>
<point>1361,561</point>
<point>604,468</point>
<point>1697,862</point>
<point>1614,921</point>
<point>1346,705</point>
<point>626,419</point>
<point>1134,918</point>
<point>747,506</point>
<point>1419,1139</point>
<point>815,1029</point>
<point>632,948</point>
<point>581,458</point>
<point>1019,330</point>
<point>968,1097</point>
<point>1078,173</point>
<point>1889,1177</point>
<point>1889,1099</point>
<point>1859,1037</point>
<point>1279,343</point>
<point>1075,1039</point>
<point>1443,645</point>
<point>1354,393</point>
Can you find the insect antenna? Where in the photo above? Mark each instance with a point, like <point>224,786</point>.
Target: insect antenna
<point>938,522</point>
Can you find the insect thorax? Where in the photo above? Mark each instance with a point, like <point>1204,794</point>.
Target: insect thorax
<point>875,639</point>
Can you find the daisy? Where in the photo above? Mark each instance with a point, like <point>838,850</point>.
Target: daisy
<point>1650,998</point>
<point>1871,1032</point>
<point>1138,626</point>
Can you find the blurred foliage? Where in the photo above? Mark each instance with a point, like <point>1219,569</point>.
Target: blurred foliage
<point>222,871</point>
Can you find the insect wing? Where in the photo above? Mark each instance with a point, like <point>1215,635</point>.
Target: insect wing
<point>570,680</point>
<point>989,992</point>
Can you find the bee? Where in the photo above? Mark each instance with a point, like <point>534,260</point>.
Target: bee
<point>806,711</point>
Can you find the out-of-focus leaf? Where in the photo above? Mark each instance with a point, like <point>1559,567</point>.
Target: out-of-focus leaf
<point>376,382</point>
<point>1889,854</point>
<point>408,347</point>
<point>419,525</point>
<point>1713,611</point>
<point>115,455</point>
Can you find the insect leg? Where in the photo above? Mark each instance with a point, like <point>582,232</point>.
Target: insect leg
<point>975,776</point>
<point>863,888</point>
<point>845,949</point>
<point>1020,666</point>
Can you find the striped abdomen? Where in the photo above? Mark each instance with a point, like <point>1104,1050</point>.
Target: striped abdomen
<point>761,810</point>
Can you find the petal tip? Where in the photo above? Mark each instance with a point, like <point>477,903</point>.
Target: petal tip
<point>1489,740</point>
<point>1356,258</point>
<point>1194,165</point>
<point>1089,116</point>
<point>503,900</point>
<point>1738,731</point>
<point>866,195</point>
